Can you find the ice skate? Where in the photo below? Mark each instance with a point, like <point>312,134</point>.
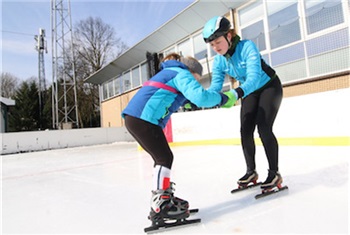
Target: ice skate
<point>178,201</point>
<point>164,207</point>
<point>272,185</point>
<point>249,178</point>
<point>274,180</point>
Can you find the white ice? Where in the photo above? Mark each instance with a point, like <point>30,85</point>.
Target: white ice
<point>106,189</point>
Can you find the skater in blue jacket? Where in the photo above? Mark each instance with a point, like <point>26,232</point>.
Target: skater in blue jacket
<point>147,114</point>
<point>259,89</point>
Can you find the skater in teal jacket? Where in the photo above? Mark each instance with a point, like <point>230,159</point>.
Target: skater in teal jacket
<point>259,89</point>
<point>147,114</point>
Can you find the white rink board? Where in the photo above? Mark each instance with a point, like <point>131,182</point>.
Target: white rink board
<point>325,114</point>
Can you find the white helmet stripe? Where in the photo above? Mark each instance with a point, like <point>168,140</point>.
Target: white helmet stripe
<point>217,26</point>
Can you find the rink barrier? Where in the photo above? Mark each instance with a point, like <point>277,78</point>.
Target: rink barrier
<point>307,120</point>
<point>21,142</point>
<point>313,119</point>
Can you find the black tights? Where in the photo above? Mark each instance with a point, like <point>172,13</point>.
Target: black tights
<point>260,109</point>
<point>152,139</point>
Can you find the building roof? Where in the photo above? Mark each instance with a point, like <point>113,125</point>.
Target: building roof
<point>180,26</point>
<point>7,102</point>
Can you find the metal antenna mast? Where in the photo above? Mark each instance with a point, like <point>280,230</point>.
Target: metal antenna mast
<point>41,47</point>
<point>64,88</point>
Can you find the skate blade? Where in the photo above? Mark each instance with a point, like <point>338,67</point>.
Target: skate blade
<point>270,191</point>
<point>167,225</point>
<point>248,186</point>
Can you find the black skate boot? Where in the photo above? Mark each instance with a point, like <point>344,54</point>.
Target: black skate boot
<point>178,201</point>
<point>274,179</point>
<point>249,177</point>
<point>164,208</point>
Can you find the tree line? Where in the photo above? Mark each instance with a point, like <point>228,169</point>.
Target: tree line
<point>95,43</point>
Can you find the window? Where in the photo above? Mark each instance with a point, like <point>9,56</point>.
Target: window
<point>323,14</point>
<point>105,91</point>
<point>110,89</point>
<point>185,48</point>
<point>126,81</point>
<point>252,24</point>
<point>255,32</point>
<point>117,85</point>
<point>200,47</point>
<point>252,12</point>
<point>283,21</point>
<point>135,77</point>
<point>169,51</point>
<point>144,73</point>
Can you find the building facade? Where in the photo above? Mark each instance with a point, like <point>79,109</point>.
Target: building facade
<point>306,42</point>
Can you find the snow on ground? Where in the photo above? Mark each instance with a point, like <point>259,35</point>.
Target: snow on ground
<point>105,189</point>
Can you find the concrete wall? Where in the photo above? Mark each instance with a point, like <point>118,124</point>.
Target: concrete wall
<point>53,139</point>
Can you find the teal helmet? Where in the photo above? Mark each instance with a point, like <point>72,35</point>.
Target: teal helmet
<point>215,27</point>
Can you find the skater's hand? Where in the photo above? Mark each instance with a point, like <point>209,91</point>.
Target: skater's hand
<point>229,99</point>
<point>187,106</point>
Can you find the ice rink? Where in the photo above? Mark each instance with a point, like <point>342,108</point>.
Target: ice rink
<point>105,189</point>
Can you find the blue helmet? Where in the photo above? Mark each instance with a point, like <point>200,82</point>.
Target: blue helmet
<point>215,27</point>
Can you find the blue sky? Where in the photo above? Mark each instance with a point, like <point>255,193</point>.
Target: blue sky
<point>132,20</point>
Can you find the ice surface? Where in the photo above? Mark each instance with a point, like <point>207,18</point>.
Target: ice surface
<point>105,189</point>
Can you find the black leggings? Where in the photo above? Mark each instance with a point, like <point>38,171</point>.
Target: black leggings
<point>260,109</point>
<point>152,139</point>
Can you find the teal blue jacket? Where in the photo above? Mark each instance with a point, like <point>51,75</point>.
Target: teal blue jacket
<point>155,104</point>
<point>245,65</point>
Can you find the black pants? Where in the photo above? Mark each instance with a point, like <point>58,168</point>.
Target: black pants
<point>152,139</point>
<point>260,109</point>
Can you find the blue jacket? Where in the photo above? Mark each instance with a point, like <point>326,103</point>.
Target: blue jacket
<point>245,65</point>
<point>155,105</point>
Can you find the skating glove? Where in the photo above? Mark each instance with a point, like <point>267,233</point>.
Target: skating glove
<point>231,98</point>
<point>188,106</point>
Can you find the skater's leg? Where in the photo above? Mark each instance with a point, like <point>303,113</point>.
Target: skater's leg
<point>248,122</point>
<point>152,139</point>
<point>161,178</point>
<point>269,103</point>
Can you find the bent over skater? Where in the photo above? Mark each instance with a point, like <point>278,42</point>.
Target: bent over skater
<point>147,114</point>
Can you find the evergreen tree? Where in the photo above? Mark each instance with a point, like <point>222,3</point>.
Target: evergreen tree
<point>24,116</point>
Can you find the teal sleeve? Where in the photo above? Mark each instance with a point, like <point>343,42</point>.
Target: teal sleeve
<point>194,91</point>
<point>218,74</point>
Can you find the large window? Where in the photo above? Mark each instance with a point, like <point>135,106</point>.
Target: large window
<point>144,73</point>
<point>135,73</point>
<point>105,90</point>
<point>169,51</point>
<point>252,24</point>
<point>323,14</point>
<point>255,32</point>
<point>185,48</point>
<point>117,86</point>
<point>283,21</point>
<point>110,89</point>
<point>200,47</point>
<point>126,81</point>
